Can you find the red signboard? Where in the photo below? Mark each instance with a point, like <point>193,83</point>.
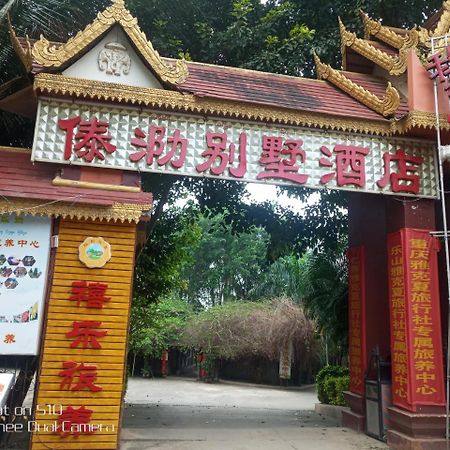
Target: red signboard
<point>356,309</point>
<point>417,369</point>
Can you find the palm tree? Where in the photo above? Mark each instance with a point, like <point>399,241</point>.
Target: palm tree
<point>5,10</point>
<point>53,18</point>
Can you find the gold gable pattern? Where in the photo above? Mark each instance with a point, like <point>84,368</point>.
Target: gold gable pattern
<point>51,56</point>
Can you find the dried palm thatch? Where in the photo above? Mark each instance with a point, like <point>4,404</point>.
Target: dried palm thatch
<point>244,329</point>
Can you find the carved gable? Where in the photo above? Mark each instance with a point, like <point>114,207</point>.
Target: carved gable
<point>115,17</point>
<point>113,60</point>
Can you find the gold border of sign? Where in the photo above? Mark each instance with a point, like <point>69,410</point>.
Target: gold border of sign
<point>94,263</point>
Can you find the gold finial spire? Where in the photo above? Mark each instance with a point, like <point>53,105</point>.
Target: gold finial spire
<point>118,3</point>
<point>321,68</point>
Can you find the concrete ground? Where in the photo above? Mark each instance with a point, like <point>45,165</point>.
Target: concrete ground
<point>183,414</point>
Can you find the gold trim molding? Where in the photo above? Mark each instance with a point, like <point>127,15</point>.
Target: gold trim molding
<point>385,106</point>
<point>58,85</point>
<point>58,181</point>
<point>118,212</point>
<point>420,119</point>
<point>52,56</point>
<point>395,66</point>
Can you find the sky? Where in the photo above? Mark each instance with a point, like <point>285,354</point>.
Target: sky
<point>262,192</point>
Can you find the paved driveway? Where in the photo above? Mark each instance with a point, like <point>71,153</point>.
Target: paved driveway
<point>183,414</point>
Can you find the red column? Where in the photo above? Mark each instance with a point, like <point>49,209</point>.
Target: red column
<point>417,417</point>
<point>357,318</point>
<point>368,296</point>
<point>416,341</point>
<point>165,363</point>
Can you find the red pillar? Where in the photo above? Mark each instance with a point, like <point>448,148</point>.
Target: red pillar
<point>165,363</point>
<point>417,419</point>
<point>368,296</point>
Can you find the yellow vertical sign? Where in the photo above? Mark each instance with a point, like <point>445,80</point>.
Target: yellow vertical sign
<point>82,374</point>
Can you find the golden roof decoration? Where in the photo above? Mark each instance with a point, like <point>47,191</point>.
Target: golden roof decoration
<point>52,84</point>
<point>424,37</point>
<point>443,25</point>
<point>385,106</point>
<point>442,28</point>
<point>24,55</point>
<point>395,66</point>
<point>377,29</point>
<point>118,212</point>
<point>51,56</point>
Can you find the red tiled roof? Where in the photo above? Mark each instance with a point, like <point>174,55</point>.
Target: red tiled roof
<point>263,88</point>
<point>385,48</point>
<point>272,90</point>
<point>20,178</point>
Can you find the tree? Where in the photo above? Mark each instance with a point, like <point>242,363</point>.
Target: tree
<point>318,282</point>
<point>325,294</point>
<point>226,265</point>
<point>156,327</point>
<point>164,255</point>
<point>322,17</point>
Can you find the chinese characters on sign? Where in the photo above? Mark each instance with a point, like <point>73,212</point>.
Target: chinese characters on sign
<point>111,138</point>
<point>85,340</point>
<point>78,375</point>
<point>357,345</point>
<point>24,252</point>
<point>398,324</point>
<point>424,315</point>
<point>439,68</point>
<point>415,319</point>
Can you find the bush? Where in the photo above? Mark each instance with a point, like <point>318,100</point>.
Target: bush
<point>321,378</point>
<point>334,388</point>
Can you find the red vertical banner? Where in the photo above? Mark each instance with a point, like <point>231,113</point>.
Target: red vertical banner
<point>416,345</point>
<point>356,317</point>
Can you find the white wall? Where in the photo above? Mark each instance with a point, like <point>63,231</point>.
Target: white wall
<point>87,66</point>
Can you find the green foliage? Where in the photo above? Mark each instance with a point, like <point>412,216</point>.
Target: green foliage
<point>328,393</point>
<point>167,251</point>
<point>319,283</point>
<point>322,17</point>
<point>156,327</point>
<point>324,292</point>
<point>226,265</point>
<point>335,387</point>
